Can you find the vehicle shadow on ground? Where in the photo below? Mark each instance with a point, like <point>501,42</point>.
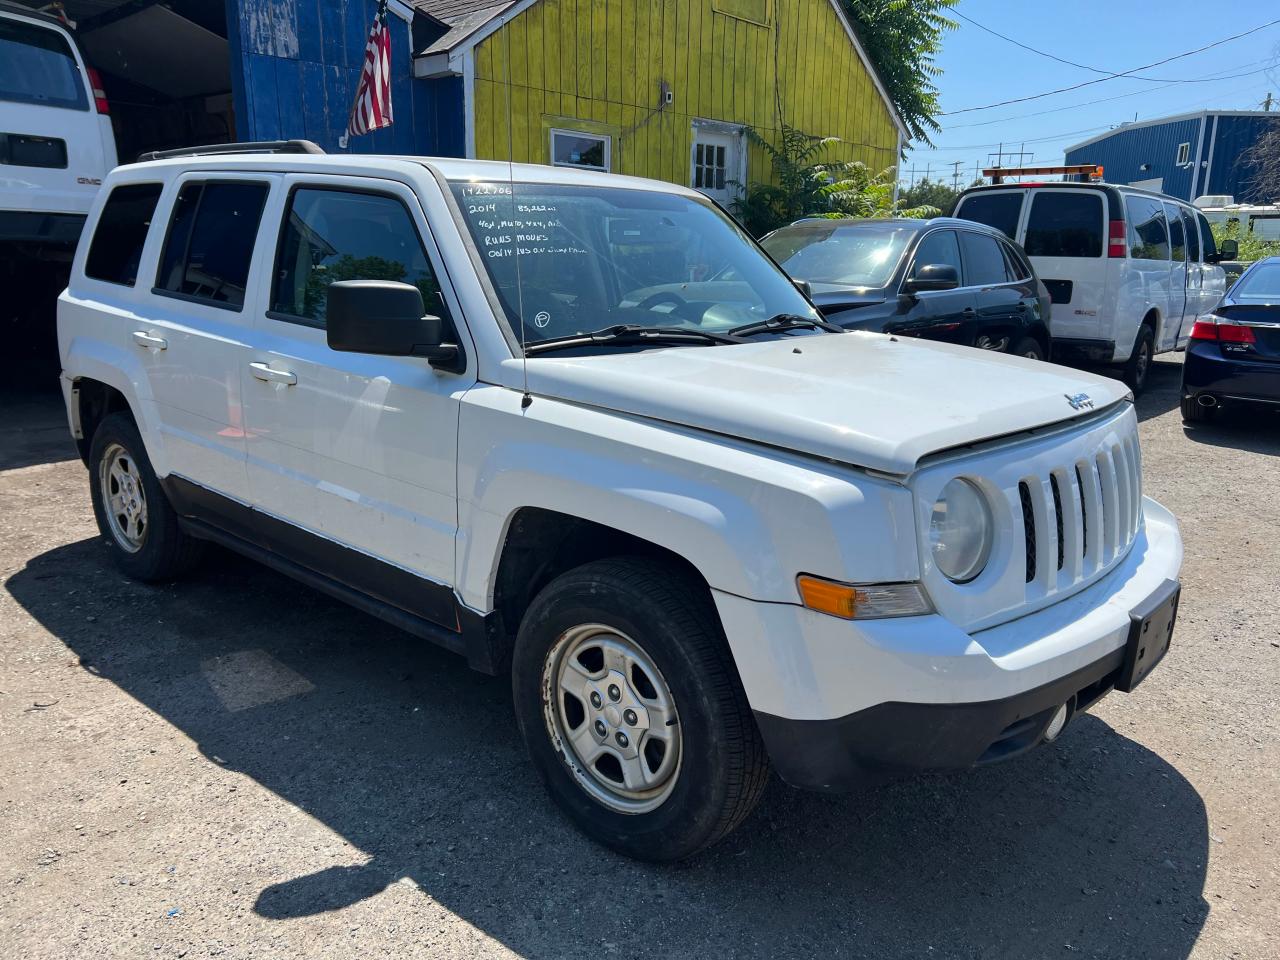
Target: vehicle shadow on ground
<point>1253,429</point>
<point>33,423</point>
<point>1095,845</point>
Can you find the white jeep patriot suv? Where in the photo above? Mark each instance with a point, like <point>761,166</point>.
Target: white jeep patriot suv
<point>578,427</point>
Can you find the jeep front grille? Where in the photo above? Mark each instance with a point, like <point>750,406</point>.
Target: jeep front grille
<point>1081,516</point>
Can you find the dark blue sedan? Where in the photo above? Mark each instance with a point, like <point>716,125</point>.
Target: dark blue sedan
<point>1234,353</point>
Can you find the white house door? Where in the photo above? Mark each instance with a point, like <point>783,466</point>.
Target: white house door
<point>718,162</point>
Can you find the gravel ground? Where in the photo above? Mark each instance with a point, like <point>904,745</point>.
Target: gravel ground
<point>236,766</point>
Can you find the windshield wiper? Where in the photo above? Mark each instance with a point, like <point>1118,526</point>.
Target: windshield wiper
<point>784,321</point>
<point>629,334</point>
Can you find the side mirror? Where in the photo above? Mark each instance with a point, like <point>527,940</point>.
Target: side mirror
<point>932,276</point>
<point>386,318</point>
<point>1229,249</point>
<point>805,287</point>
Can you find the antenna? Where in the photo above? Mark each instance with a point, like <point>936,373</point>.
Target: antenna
<point>527,399</point>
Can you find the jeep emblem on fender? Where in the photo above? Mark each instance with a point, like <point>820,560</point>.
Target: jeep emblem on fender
<point>1080,401</point>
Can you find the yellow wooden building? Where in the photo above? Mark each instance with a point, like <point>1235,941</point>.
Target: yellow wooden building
<point>658,88</point>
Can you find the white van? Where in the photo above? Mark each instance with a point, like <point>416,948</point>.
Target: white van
<point>56,143</point>
<point>1128,270</point>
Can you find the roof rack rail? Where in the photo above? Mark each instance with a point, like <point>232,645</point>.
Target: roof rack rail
<point>215,149</point>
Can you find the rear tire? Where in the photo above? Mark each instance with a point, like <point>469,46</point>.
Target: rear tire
<point>1138,366</point>
<point>1192,412</point>
<point>704,764</point>
<point>1028,347</point>
<point>138,524</point>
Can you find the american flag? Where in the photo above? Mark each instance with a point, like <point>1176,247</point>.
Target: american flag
<point>372,108</point>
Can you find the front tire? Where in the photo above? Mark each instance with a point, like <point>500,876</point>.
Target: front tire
<point>134,516</point>
<point>632,711</point>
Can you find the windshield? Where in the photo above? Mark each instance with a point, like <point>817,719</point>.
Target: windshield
<point>570,259</point>
<point>37,66</point>
<point>1261,284</point>
<point>862,255</point>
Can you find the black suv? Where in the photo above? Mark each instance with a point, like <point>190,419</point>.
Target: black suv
<point>940,279</point>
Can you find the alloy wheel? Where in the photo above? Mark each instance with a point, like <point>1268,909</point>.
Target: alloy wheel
<point>124,498</point>
<point>611,714</point>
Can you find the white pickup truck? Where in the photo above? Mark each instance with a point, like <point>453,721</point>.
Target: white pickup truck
<point>577,427</point>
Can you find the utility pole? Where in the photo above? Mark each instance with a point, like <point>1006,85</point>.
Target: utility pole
<point>1266,104</point>
<point>955,174</point>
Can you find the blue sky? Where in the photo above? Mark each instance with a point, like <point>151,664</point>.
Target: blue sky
<point>980,69</point>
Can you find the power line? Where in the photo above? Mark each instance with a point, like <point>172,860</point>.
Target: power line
<point>1115,76</point>
<point>1109,74</point>
<point>1123,96</point>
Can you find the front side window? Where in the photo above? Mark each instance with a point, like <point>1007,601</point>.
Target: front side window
<point>1064,223</point>
<point>1177,238</point>
<point>997,208</point>
<point>1193,235</point>
<point>121,233</point>
<point>1206,233</point>
<point>1265,228</point>
<point>332,235</point>
<point>37,66</point>
<point>861,255</point>
<point>1148,231</point>
<point>984,263</point>
<point>571,148</point>
<point>570,259</point>
<point>210,242</point>
<point>938,247</point>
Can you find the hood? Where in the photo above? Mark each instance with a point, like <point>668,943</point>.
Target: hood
<point>859,398</point>
<point>828,296</point>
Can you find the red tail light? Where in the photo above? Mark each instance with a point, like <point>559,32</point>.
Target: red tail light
<point>99,97</point>
<point>1222,332</point>
<point>1117,239</point>
<point>1230,333</point>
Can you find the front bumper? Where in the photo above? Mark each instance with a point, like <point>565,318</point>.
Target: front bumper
<point>842,703</point>
<point>1207,371</point>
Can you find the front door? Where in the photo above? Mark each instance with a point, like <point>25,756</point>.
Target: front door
<point>936,314</point>
<point>718,161</point>
<point>358,450</point>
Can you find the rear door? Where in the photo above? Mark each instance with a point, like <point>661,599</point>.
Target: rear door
<point>1064,234</point>
<point>55,148</point>
<point>997,297</point>
<point>192,334</point>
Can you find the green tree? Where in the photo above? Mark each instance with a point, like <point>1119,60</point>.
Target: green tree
<point>803,186</point>
<point>902,37</point>
<point>933,193</point>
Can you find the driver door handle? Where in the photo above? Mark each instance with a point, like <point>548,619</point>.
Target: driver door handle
<point>146,340</point>
<point>267,375</point>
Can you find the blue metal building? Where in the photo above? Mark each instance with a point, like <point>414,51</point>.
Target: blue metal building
<point>1185,156</point>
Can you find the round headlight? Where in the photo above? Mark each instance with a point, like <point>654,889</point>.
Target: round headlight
<point>960,531</point>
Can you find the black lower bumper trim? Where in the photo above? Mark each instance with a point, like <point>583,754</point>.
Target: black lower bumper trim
<point>1084,351</point>
<point>893,739</point>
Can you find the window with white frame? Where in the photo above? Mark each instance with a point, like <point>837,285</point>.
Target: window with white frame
<point>1184,153</point>
<point>709,166</point>
<point>573,148</point>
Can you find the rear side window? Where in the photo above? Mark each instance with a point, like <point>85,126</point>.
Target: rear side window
<point>1017,265</point>
<point>1064,224</point>
<point>1206,233</point>
<point>332,235</point>
<point>1148,232</point>
<point>210,242</point>
<point>121,232</point>
<point>939,247</point>
<point>37,66</point>
<point>999,209</point>
<point>1193,236</point>
<point>984,262</point>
